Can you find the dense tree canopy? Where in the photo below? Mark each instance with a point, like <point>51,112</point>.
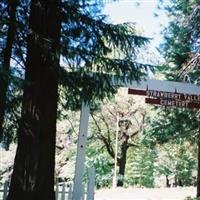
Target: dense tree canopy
<point>181,52</point>
<point>88,44</point>
<point>75,36</point>
<point>55,54</point>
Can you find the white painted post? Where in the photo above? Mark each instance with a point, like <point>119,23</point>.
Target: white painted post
<point>83,192</point>
<point>116,150</point>
<point>57,189</point>
<point>63,192</point>
<point>70,192</point>
<point>5,190</point>
<point>91,183</point>
<point>80,158</point>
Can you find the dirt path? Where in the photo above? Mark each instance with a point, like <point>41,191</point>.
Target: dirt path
<point>145,194</point>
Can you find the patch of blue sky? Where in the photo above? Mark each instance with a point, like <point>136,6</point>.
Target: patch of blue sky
<point>144,13</point>
<point>148,19</point>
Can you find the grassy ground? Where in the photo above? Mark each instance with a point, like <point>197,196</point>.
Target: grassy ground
<point>145,194</point>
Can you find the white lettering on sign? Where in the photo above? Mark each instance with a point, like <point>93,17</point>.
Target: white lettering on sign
<point>161,94</point>
<point>195,98</point>
<point>167,102</point>
<point>174,99</point>
<point>171,95</point>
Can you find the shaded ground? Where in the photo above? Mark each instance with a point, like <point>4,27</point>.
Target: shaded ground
<point>145,194</point>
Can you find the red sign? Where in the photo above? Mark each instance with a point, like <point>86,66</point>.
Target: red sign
<point>172,103</point>
<point>137,92</point>
<point>173,99</point>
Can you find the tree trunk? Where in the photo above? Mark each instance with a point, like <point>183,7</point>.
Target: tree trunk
<point>122,164</point>
<point>198,170</point>
<point>180,183</point>
<point>167,181</point>
<point>7,52</point>
<point>175,181</point>
<point>33,175</point>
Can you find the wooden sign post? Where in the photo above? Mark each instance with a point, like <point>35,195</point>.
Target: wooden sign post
<point>166,93</point>
<point>81,147</point>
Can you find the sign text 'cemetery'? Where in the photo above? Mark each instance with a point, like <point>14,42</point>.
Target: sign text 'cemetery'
<point>173,99</point>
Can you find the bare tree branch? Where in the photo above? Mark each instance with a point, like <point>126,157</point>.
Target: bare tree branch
<point>106,141</point>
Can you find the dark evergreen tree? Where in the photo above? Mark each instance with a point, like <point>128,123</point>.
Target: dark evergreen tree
<point>181,51</point>
<point>33,175</point>
<point>6,56</point>
<point>87,46</point>
<point>14,16</point>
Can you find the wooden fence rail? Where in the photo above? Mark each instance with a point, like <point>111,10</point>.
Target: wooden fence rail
<point>62,192</point>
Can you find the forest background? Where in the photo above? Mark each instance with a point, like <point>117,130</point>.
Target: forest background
<point>157,146</point>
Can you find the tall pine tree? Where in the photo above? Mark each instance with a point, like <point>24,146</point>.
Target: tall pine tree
<point>87,43</point>
<point>6,57</point>
<point>181,50</point>
<point>33,175</point>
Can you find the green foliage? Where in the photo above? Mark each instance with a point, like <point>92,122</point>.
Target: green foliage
<point>87,45</point>
<point>12,76</point>
<point>175,128</point>
<point>177,159</point>
<point>180,47</point>
<point>141,167</point>
<point>189,198</point>
<point>100,160</point>
<point>172,124</point>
